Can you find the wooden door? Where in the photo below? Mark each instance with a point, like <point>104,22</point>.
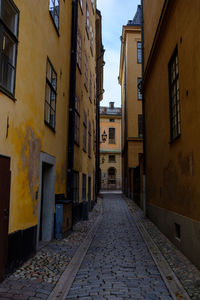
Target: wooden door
<point>4,211</point>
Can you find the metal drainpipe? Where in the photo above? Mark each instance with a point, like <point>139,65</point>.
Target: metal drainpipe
<point>71,128</point>
<point>143,112</point>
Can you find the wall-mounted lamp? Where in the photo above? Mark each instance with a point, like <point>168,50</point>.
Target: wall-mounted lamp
<point>104,137</point>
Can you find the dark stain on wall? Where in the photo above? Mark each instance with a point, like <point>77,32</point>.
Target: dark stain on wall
<point>30,155</point>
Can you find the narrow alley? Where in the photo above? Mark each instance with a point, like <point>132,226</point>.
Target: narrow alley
<point>118,264</point>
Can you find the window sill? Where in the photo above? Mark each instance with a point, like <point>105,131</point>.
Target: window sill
<point>8,94</point>
<point>50,127</point>
<point>79,68</point>
<point>174,139</point>
<point>86,87</point>
<point>87,32</point>
<point>77,144</point>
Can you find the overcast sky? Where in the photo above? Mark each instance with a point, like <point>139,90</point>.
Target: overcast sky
<point>115,14</point>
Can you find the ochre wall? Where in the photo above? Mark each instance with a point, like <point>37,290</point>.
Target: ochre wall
<point>27,133</point>
<point>151,15</point>
<point>173,168</point>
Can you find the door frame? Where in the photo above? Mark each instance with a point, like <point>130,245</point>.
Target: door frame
<point>49,161</point>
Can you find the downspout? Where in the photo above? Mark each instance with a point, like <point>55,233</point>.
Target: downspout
<point>143,113</point>
<point>71,127</point>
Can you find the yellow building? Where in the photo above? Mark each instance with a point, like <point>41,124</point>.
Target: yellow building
<point>82,140</point>
<point>171,97</point>
<point>34,99</point>
<point>131,98</point>
<point>110,147</point>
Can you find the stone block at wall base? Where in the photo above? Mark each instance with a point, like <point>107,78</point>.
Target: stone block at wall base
<point>188,239</point>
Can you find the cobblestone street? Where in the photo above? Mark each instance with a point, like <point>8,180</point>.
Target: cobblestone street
<point>118,264</point>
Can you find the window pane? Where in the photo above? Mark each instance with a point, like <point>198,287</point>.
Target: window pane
<point>9,48</point>
<point>53,80</point>
<point>47,112</point>
<point>53,100</point>
<point>48,93</point>
<point>48,71</point>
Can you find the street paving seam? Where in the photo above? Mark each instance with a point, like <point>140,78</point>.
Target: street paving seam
<point>173,284</point>
<point>65,282</point>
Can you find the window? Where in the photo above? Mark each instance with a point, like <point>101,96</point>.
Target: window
<point>139,52</point>
<point>77,121</point>
<point>84,131</point>
<point>75,187</point>
<point>175,122</point>
<point>54,12</point>
<point>79,50</point>
<point>89,138</point>
<point>140,126</point>
<point>91,38</point>
<point>83,187</point>
<point>50,95</point>
<point>111,135</point>
<point>139,94</point>
<point>87,20</point>
<point>112,120</point>
<point>111,158</point>
<point>90,87</point>
<point>9,16</point>
<point>86,73</point>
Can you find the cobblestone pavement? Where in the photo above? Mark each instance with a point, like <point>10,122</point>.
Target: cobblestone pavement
<point>118,264</point>
<point>185,271</point>
<point>38,276</point>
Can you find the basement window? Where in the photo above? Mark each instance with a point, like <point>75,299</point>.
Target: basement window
<point>177,231</point>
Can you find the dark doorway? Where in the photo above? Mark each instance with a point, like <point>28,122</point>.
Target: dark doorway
<point>5,176</point>
<point>83,187</point>
<point>89,192</point>
<point>111,178</point>
<point>46,203</point>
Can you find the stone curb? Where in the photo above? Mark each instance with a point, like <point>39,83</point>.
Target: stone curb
<point>173,284</point>
<point>65,282</point>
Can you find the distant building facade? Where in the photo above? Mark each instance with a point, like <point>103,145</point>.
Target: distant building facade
<point>172,124</point>
<point>83,106</point>
<point>110,147</point>
<point>131,98</point>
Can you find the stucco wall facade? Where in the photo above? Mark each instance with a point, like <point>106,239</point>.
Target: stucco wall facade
<point>172,167</point>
